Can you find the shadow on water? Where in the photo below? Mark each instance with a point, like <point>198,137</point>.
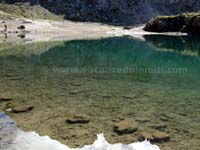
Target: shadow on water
<point>179,44</point>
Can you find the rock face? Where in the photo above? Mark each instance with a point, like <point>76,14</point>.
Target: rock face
<point>120,12</point>
<point>186,22</point>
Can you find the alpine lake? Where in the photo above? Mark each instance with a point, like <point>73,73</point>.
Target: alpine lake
<point>123,87</point>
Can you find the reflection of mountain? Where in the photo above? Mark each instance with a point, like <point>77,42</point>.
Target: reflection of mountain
<point>115,53</point>
<point>111,52</point>
<point>27,49</point>
<point>185,44</point>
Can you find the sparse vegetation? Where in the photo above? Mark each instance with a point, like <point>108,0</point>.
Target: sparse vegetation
<point>25,10</point>
<point>185,22</point>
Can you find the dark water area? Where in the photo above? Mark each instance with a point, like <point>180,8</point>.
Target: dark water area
<point>176,43</point>
<point>155,83</point>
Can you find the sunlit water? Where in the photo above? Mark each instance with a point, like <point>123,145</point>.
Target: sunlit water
<point>154,82</point>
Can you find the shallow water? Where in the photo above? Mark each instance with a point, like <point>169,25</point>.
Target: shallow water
<point>16,139</point>
<point>154,82</point>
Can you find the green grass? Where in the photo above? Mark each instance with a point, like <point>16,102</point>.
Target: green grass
<point>185,15</point>
<point>8,11</point>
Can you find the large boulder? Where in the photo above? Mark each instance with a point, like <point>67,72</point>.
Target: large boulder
<point>157,25</point>
<point>186,22</point>
<point>196,25</point>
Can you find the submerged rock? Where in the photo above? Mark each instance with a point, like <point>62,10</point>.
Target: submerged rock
<point>17,108</point>
<point>125,127</point>
<point>160,136</point>
<point>75,84</point>
<point>142,119</point>
<point>129,96</point>
<point>165,117</point>
<point>22,109</point>
<point>158,126</point>
<point>156,136</point>
<point>145,136</point>
<point>4,99</point>
<point>185,22</point>
<point>9,75</point>
<point>74,92</point>
<point>16,78</point>
<point>78,120</point>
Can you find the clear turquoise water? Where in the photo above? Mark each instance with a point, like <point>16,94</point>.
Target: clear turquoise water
<point>152,82</point>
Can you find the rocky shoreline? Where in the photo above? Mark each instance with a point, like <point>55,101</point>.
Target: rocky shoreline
<point>26,30</point>
<point>185,23</point>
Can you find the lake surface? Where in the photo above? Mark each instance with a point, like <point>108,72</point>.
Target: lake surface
<point>156,83</point>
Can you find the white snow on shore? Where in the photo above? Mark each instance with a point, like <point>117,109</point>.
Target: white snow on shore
<point>13,138</point>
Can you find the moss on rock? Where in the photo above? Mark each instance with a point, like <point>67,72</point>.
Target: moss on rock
<point>185,22</point>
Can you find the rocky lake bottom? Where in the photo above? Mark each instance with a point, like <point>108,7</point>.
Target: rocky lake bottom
<point>74,90</point>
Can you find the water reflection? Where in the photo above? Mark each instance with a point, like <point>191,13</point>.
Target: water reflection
<point>111,55</point>
<point>114,52</point>
<point>180,44</point>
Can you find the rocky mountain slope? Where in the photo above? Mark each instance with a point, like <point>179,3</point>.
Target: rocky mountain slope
<point>118,12</point>
<point>25,10</point>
